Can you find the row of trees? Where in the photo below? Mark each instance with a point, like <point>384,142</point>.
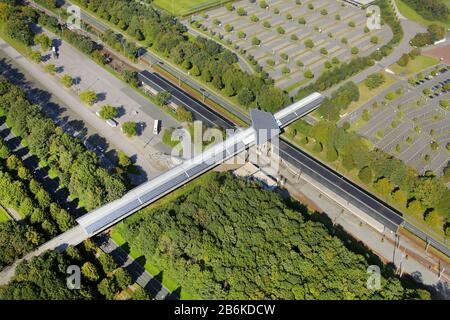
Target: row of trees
<point>120,44</point>
<point>201,57</point>
<point>206,242</point>
<point>27,196</point>
<point>18,22</point>
<point>42,217</point>
<point>77,168</point>
<point>333,76</point>
<point>340,100</point>
<point>425,197</point>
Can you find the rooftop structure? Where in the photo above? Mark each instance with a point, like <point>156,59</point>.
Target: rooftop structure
<point>360,3</point>
<point>265,125</point>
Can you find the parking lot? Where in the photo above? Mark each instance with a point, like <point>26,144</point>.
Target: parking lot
<point>110,90</point>
<point>415,127</point>
<point>281,46</point>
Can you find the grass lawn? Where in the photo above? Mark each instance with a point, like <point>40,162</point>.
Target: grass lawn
<point>185,7</point>
<point>411,14</point>
<point>3,215</point>
<point>365,94</point>
<point>415,66</point>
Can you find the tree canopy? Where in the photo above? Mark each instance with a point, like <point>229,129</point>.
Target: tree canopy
<point>227,238</point>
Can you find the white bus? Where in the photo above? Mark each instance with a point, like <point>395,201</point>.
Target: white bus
<point>111,123</point>
<point>156,126</point>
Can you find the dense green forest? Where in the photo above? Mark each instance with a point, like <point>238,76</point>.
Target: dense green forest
<point>230,239</point>
<point>16,240</point>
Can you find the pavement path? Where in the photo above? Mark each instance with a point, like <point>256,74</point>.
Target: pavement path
<point>397,11</point>
<point>136,270</point>
<point>71,237</point>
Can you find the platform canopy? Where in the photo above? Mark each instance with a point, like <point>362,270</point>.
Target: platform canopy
<point>265,125</point>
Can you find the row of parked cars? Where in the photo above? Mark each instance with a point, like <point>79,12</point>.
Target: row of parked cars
<point>429,77</point>
<point>439,89</point>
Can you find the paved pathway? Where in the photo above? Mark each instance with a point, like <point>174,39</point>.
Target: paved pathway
<point>137,272</point>
<point>71,237</point>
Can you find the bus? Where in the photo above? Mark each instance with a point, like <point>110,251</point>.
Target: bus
<point>156,126</point>
<point>111,123</point>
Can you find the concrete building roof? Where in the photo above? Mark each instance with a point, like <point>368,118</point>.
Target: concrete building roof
<point>265,125</point>
<point>360,3</point>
